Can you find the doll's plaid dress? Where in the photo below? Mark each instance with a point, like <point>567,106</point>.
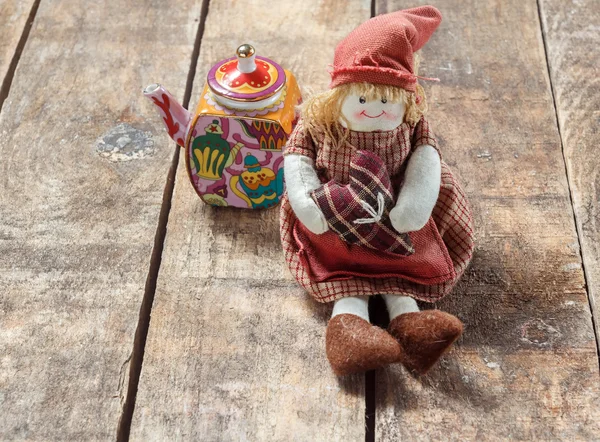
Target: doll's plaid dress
<point>329,268</point>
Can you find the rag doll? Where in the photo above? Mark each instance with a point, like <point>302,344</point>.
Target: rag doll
<point>370,206</point>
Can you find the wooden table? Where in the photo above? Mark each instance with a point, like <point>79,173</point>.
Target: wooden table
<point>130,309</point>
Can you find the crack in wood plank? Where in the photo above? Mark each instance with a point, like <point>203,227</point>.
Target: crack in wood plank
<point>579,96</point>
<point>139,344</point>
<point>13,19</point>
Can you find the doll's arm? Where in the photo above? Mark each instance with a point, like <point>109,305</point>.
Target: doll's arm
<point>420,190</point>
<point>301,179</point>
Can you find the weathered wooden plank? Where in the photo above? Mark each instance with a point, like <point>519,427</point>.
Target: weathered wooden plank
<point>526,368</point>
<point>235,349</point>
<point>79,206</point>
<point>572,35</point>
<point>13,17</point>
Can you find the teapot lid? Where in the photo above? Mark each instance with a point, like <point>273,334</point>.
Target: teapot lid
<point>246,77</point>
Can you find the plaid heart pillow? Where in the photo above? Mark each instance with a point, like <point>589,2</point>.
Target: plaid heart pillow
<point>359,211</point>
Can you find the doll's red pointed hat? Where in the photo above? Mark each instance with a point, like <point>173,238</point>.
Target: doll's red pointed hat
<point>380,51</point>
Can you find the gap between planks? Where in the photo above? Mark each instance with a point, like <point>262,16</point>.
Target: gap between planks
<point>371,376</point>
<point>141,332</point>
<point>12,67</point>
<point>569,183</point>
<point>379,317</point>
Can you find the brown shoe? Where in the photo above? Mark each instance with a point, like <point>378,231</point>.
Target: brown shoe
<point>354,345</point>
<point>424,337</point>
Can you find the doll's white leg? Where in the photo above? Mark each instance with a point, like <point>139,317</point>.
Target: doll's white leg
<point>354,305</point>
<point>397,305</point>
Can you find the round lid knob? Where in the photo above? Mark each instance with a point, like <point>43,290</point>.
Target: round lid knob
<point>246,77</point>
<point>245,51</point>
<point>246,59</point>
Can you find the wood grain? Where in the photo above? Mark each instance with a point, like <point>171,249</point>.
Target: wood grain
<point>572,34</point>
<point>13,16</point>
<point>83,163</point>
<point>527,367</point>
<point>235,349</point>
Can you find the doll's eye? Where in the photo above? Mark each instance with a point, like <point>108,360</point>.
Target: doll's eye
<point>362,100</point>
<point>384,100</point>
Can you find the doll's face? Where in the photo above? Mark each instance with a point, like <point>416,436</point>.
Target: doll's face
<point>366,115</point>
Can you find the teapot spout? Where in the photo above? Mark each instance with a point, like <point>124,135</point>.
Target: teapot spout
<point>175,116</point>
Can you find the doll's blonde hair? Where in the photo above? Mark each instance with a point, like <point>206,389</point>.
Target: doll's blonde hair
<point>321,113</point>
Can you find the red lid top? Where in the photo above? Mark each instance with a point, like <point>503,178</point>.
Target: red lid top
<point>246,77</point>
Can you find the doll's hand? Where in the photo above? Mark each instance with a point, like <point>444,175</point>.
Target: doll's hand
<point>301,179</point>
<point>311,216</point>
<point>404,220</point>
<point>419,192</point>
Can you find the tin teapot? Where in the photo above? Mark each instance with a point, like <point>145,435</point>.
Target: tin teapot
<point>234,142</point>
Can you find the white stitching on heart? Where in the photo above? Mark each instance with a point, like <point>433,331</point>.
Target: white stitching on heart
<point>376,215</point>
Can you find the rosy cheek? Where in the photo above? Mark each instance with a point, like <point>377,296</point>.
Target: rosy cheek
<point>358,115</point>
<point>390,116</point>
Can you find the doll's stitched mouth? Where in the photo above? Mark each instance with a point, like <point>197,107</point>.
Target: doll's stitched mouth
<point>369,116</point>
